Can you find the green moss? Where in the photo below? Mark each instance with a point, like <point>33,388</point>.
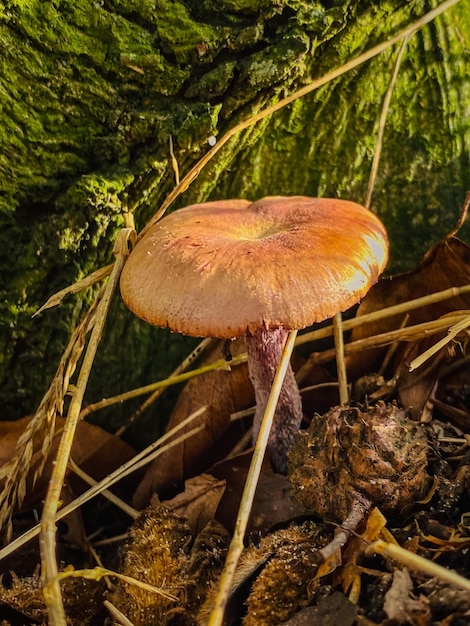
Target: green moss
<point>244,7</point>
<point>155,74</point>
<point>265,69</point>
<point>183,37</point>
<point>214,83</point>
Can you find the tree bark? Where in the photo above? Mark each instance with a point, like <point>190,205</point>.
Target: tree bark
<point>92,93</point>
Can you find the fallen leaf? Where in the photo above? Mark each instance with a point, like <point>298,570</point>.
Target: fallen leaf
<point>273,503</point>
<point>96,451</point>
<point>223,392</point>
<point>444,266</point>
<point>198,502</point>
<point>399,604</point>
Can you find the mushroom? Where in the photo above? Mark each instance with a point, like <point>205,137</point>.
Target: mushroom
<point>234,268</point>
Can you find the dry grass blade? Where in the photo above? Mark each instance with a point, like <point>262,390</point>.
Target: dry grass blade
<point>49,567</point>
<point>116,614</point>
<point>340,362</point>
<point>236,544</point>
<point>382,122</point>
<point>452,332</point>
<point>141,459</point>
<point>133,513</point>
<point>182,367</point>
<point>409,333</point>
<point>84,283</point>
<point>396,309</point>
<point>40,431</point>
<point>416,562</point>
<point>99,572</point>
<point>160,385</point>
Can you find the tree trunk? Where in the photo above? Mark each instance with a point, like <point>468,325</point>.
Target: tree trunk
<point>92,94</point>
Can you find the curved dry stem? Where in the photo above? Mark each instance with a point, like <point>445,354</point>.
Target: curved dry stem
<point>360,507</point>
<point>236,544</point>
<point>140,460</point>
<point>416,562</point>
<point>382,122</point>
<point>49,569</point>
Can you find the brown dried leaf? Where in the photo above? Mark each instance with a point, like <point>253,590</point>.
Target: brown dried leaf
<point>273,503</point>
<point>223,392</point>
<point>415,388</point>
<point>95,450</point>
<point>399,605</point>
<point>198,502</point>
<point>445,265</point>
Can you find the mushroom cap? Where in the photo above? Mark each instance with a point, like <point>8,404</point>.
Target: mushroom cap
<point>230,267</point>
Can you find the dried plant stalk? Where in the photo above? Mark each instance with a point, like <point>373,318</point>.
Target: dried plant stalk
<point>418,563</point>
<point>409,333</point>
<point>382,122</point>
<point>161,385</point>
<point>119,617</point>
<point>396,309</point>
<point>236,544</point>
<point>129,510</point>
<point>140,460</point>
<point>452,333</point>
<point>99,572</point>
<point>49,567</point>
<point>182,367</point>
<point>340,362</point>
<point>40,431</point>
<point>84,283</point>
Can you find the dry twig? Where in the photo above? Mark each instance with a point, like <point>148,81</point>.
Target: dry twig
<point>236,544</point>
<point>49,568</point>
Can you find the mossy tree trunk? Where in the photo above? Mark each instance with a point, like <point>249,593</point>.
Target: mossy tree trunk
<point>91,94</point>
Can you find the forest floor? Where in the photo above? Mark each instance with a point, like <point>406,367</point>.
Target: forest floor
<point>371,526</point>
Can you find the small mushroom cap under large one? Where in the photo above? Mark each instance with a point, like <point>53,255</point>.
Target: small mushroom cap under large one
<point>230,267</point>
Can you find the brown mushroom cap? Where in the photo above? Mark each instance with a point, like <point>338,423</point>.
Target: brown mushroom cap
<point>227,268</point>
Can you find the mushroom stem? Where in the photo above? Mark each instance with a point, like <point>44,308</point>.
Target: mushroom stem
<point>264,349</point>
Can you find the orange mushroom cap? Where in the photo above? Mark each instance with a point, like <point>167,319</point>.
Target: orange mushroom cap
<point>230,267</point>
